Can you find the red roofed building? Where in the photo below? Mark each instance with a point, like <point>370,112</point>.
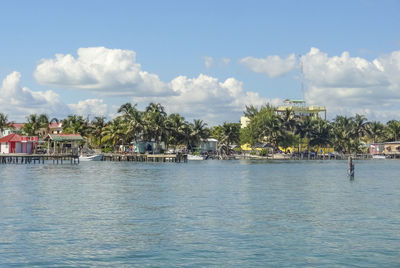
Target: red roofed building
<point>15,143</point>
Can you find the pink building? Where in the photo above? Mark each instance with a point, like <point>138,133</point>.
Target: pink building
<point>376,148</point>
<point>15,143</point>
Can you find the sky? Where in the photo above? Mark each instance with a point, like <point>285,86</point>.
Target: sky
<point>202,59</point>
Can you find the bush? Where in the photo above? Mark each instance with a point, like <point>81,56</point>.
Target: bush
<point>107,150</point>
<point>264,152</point>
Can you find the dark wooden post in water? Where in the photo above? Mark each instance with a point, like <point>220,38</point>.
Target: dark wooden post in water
<point>350,168</point>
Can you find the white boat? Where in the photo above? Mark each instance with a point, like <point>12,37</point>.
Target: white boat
<point>380,156</point>
<point>194,157</point>
<point>94,157</point>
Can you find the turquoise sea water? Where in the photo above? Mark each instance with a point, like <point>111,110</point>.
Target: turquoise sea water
<point>200,214</point>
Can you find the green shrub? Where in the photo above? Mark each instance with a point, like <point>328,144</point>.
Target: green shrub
<point>264,152</point>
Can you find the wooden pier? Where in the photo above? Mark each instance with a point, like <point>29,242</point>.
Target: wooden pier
<point>38,158</point>
<point>74,159</point>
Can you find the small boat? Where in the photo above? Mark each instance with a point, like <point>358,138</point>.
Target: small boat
<point>95,157</point>
<point>194,157</point>
<point>380,156</point>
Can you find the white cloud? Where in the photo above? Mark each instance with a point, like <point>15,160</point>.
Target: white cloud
<point>90,107</point>
<point>273,66</point>
<point>207,98</point>
<point>107,71</point>
<point>348,85</point>
<point>208,61</point>
<point>18,102</point>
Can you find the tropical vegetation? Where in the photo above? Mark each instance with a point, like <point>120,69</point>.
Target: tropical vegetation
<point>344,134</point>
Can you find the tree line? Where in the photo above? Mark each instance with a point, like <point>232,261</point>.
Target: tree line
<point>344,134</point>
<point>133,125</point>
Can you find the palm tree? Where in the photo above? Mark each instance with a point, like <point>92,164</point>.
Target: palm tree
<point>133,118</point>
<point>154,123</point>
<point>305,130</point>
<point>392,130</point>
<point>320,135</point>
<point>343,134</point>
<point>33,125</point>
<point>4,123</point>
<point>175,126</point>
<point>114,132</point>
<point>75,125</point>
<point>187,131</point>
<point>360,126</point>
<point>199,131</point>
<point>376,131</point>
<point>97,126</point>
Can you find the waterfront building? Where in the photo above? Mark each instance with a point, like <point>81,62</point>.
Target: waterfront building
<point>15,143</point>
<point>300,109</point>
<point>15,128</point>
<point>392,148</point>
<point>63,143</point>
<point>53,128</point>
<point>376,148</point>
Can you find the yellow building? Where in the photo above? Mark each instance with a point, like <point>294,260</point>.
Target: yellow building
<point>300,108</point>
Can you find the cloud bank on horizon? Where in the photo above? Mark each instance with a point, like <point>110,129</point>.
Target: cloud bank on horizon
<point>344,84</point>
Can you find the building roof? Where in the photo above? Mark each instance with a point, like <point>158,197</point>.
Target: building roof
<point>64,137</point>
<point>17,126</point>
<point>14,137</point>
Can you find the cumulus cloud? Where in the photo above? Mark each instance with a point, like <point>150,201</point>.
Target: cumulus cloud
<point>208,98</point>
<point>103,70</point>
<point>208,61</point>
<point>348,85</point>
<point>273,66</point>
<point>90,107</point>
<point>18,101</point>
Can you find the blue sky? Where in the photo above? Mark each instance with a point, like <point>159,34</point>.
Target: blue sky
<point>173,39</point>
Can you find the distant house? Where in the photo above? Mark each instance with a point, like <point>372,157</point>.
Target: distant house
<point>16,128</point>
<point>15,143</point>
<point>392,148</point>
<point>376,148</point>
<point>208,145</point>
<point>53,128</point>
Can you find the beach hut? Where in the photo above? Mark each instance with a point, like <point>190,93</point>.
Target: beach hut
<point>63,143</point>
<point>208,145</point>
<point>143,147</point>
<point>15,143</point>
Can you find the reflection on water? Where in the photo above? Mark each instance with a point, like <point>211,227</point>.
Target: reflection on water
<point>208,213</point>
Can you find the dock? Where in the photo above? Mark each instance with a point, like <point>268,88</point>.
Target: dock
<point>38,158</point>
<point>74,159</point>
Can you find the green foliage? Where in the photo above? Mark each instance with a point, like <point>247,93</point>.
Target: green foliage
<point>264,152</point>
<point>4,123</point>
<point>227,133</point>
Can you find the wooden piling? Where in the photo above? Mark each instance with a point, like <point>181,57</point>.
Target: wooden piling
<point>350,167</point>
